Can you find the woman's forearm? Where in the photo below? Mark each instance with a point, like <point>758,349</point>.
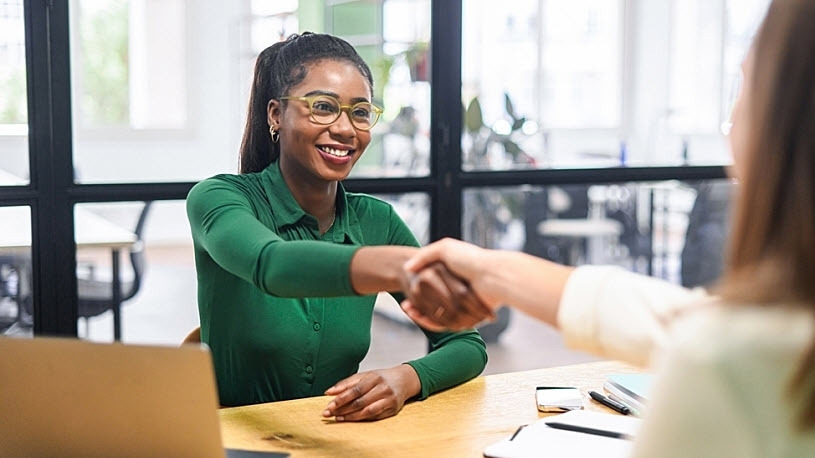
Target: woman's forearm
<point>379,268</point>
<point>527,283</point>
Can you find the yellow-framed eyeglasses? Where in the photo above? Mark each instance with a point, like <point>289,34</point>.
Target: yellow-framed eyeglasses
<point>326,109</point>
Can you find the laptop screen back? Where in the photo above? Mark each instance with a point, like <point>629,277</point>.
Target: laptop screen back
<point>65,397</point>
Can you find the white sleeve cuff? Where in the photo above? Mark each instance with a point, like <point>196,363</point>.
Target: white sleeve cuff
<point>618,314</point>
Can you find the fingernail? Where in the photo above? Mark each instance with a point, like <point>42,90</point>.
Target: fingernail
<point>331,405</point>
<point>340,418</point>
<point>326,413</point>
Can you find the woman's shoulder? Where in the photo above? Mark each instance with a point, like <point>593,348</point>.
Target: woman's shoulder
<point>743,357</point>
<point>226,183</point>
<point>729,334</point>
<point>366,203</point>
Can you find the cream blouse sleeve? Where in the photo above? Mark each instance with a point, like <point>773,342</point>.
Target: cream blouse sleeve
<point>617,314</point>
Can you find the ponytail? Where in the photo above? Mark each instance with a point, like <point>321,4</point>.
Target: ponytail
<point>257,150</point>
<point>278,68</point>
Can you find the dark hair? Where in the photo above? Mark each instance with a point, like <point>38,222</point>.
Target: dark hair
<point>772,247</point>
<point>278,68</point>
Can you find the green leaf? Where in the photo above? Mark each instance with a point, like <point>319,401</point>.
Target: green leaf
<point>509,107</point>
<point>512,148</point>
<point>473,118</point>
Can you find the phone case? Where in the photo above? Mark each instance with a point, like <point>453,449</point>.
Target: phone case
<point>558,398</point>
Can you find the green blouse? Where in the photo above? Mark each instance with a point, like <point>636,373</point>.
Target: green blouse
<point>275,299</point>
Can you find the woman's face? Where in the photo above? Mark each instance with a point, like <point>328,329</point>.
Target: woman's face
<point>739,118</point>
<point>327,152</point>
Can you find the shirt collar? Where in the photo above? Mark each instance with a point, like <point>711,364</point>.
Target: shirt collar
<point>288,212</point>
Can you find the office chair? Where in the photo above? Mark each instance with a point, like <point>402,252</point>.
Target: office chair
<point>194,337</point>
<point>708,225</point>
<point>95,294</point>
<point>9,291</point>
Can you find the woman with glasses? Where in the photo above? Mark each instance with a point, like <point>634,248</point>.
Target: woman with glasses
<point>735,373</point>
<point>289,263</point>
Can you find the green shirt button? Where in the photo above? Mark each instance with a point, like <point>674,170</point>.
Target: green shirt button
<point>309,369</point>
<point>316,326</point>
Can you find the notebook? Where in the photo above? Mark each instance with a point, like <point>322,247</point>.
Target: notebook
<point>66,397</point>
<point>630,389</point>
<point>575,433</point>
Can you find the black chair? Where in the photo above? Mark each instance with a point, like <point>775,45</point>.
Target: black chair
<point>95,295</point>
<point>9,290</point>
<point>708,225</point>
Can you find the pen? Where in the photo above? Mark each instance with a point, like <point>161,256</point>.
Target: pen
<point>609,403</point>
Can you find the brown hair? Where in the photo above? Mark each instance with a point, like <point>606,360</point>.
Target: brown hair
<point>771,256</point>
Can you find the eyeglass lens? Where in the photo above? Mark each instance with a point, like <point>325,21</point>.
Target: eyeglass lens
<point>326,110</point>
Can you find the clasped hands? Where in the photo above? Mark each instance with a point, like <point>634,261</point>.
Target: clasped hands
<point>446,289</point>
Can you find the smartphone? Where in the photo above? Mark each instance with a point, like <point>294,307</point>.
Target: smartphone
<point>558,398</point>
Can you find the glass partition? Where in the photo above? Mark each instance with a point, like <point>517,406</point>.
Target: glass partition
<point>13,107</point>
<point>16,310</point>
<point>152,244</point>
<point>672,230</point>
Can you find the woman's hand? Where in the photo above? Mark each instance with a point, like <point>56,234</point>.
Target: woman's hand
<point>437,300</point>
<point>372,395</point>
<point>533,285</point>
<point>467,264</point>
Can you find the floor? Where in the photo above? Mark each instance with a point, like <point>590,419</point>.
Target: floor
<point>164,311</point>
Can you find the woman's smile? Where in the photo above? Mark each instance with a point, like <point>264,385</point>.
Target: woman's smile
<point>336,153</point>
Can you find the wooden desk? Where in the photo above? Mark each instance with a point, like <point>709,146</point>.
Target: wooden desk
<point>461,421</point>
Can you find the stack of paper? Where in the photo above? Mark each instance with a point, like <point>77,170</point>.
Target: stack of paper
<point>629,389</point>
<point>576,433</point>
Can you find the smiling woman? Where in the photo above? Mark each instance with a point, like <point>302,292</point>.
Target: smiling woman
<point>289,263</point>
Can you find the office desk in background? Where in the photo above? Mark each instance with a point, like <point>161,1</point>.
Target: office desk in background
<point>91,231</point>
<point>461,421</point>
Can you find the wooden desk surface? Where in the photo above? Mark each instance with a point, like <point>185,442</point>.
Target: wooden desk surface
<point>461,421</point>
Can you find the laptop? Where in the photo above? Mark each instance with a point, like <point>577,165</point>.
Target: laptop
<point>67,397</point>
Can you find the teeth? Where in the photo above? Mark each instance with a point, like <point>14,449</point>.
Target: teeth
<point>334,152</point>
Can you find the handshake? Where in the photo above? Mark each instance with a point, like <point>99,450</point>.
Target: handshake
<point>451,285</point>
<point>454,285</point>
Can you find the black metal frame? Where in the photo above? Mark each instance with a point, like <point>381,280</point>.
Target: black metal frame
<point>52,192</point>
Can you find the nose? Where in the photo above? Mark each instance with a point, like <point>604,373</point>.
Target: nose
<point>342,126</point>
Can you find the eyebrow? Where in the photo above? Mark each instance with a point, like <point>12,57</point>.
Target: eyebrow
<point>335,95</point>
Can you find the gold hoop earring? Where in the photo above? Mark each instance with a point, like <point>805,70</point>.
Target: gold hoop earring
<point>275,134</point>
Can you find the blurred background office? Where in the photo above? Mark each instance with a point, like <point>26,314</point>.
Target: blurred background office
<point>587,131</point>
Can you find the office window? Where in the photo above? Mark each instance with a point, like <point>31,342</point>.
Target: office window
<point>708,43</point>
<point>532,70</point>
<point>13,107</point>
<point>16,314</point>
<point>272,22</point>
<point>742,19</point>
<point>129,59</point>
<point>595,83</point>
<point>609,224</point>
<point>157,271</point>
<point>393,37</point>
<point>709,40</point>
<point>414,209</point>
<point>153,82</point>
